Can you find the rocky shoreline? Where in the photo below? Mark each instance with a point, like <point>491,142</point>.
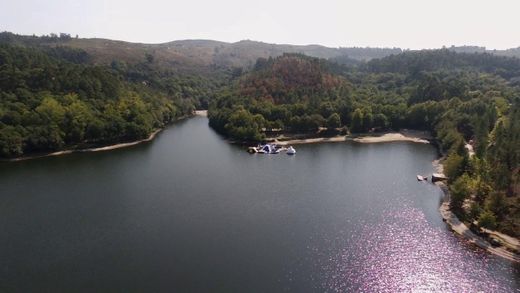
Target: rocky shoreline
<point>461,229</point>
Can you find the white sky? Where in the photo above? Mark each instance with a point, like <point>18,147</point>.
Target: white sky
<point>410,24</point>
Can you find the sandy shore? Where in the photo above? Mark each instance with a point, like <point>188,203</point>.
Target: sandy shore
<point>461,229</point>
<point>311,140</point>
<point>404,135</point>
<point>97,149</point>
<point>201,113</point>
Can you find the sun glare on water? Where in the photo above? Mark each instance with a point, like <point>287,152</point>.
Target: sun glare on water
<point>393,257</point>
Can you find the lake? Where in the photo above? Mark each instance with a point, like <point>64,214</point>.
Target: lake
<point>189,212</point>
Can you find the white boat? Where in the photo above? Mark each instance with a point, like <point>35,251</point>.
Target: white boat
<point>291,151</point>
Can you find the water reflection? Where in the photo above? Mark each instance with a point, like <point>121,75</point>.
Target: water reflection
<point>404,253</point>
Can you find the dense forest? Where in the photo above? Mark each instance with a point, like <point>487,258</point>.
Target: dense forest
<point>53,98</point>
<point>465,100</point>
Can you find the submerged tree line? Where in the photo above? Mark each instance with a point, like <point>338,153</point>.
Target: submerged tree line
<point>463,99</point>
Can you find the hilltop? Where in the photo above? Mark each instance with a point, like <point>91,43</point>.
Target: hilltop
<point>189,56</point>
<point>206,56</point>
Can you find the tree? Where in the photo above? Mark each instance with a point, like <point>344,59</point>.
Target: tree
<point>76,119</point>
<point>368,120</point>
<point>453,166</point>
<point>245,126</point>
<point>380,120</point>
<point>11,142</point>
<point>497,204</point>
<point>357,121</point>
<point>334,121</point>
<point>315,121</point>
<point>474,211</point>
<point>65,36</point>
<point>50,111</point>
<point>487,220</point>
<point>326,109</point>
<point>459,191</point>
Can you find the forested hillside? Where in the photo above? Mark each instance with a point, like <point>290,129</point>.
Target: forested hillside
<point>461,98</point>
<point>201,57</point>
<point>52,99</point>
<point>204,57</point>
<point>292,92</point>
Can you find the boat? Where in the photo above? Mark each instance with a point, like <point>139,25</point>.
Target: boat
<point>421,178</point>
<point>291,151</point>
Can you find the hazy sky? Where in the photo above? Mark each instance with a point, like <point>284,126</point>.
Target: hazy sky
<point>390,23</point>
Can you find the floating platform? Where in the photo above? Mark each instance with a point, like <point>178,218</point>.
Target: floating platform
<point>270,149</point>
<point>438,177</point>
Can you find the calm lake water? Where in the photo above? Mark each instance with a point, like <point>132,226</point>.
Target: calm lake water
<point>190,212</point>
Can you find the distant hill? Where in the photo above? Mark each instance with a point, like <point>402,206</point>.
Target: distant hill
<point>203,56</point>
<point>194,55</point>
<point>513,52</point>
<point>413,62</point>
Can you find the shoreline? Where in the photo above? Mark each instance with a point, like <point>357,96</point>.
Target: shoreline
<point>463,231</point>
<point>447,215</point>
<point>88,150</point>
<point>103,148</point>
<point>203,113</point>
<point>403,135</point>
<point>311,140</point>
